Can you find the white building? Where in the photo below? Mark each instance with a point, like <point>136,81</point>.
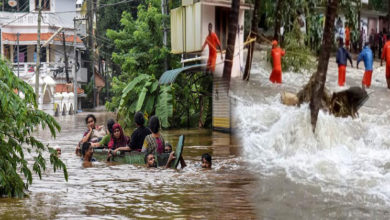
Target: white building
<point>57,27</point>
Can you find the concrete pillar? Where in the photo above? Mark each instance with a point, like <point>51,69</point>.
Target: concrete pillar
<point>11,55</point>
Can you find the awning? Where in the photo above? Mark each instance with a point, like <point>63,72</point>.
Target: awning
<point>170,75</point>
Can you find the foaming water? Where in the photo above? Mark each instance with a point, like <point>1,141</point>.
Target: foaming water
<point>346,157</point>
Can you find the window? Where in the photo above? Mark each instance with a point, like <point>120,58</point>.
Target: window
<point>44,3</point>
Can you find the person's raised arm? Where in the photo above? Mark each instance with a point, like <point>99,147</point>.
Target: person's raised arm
<point>170,159</point>
<point>87,136</point>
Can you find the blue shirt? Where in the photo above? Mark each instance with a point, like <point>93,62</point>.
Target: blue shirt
<point>367,57</point>
<point>342,56</point>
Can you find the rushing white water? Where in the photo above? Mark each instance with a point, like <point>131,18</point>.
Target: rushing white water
<point>345,156</point>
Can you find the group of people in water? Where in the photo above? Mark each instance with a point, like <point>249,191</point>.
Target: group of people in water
<point>147,140</point>
<point>342,57</point>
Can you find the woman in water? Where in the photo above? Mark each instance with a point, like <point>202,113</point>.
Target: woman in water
<point>155,141</point>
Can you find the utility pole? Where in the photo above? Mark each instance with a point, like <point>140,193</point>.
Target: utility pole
<point>66,58</point>
<point>17,51</point>
<point>91,47</point>
<point>38,50</point>
<point>165,39</point>
<point>74,71</point>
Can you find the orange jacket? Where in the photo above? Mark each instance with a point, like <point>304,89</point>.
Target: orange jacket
<point>277,54</point>
<point>386,52</point>
<point>347,34</point>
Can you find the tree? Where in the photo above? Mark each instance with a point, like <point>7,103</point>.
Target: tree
<point>320,75</point>
<point>252,34</point>
<point>19,118</point>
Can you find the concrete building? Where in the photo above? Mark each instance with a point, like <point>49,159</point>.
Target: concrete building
<point>57,39</point>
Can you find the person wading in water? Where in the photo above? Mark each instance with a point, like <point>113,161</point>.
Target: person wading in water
<point>386,56</point>
<point>276,53</point>
<point>341,60</point>
<point>367,56</point>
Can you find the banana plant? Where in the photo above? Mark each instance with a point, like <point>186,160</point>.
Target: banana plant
<point>145,94</point>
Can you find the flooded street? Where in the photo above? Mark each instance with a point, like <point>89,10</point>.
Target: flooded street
<point>120,191</point>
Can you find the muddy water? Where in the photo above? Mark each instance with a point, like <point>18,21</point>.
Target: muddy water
<point>117,191</point>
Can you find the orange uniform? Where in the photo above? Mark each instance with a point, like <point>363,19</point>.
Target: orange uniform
<point>367,78</point>
<point>347,36</point>
<point>276,75</point>
<point>342,71</point>
<point>212,41</point>
<point>386,56</point>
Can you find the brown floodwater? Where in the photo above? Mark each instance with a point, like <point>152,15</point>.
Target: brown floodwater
<point>115,191</point>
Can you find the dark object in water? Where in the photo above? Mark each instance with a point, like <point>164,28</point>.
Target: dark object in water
<point>347,103</point>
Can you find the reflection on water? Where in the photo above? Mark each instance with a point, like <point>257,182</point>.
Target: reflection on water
<point>113,191</point>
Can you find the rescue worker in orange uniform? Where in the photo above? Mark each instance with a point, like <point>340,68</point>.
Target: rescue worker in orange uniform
<point>341,59</point>
<point>212,41</point>
<point>386,56</point>
<point>276,53</point>
<point>347,36</point>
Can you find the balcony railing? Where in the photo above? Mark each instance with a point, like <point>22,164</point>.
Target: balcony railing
<point>55,70</point>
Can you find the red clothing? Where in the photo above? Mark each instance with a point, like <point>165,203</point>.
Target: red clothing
<point>212,41</point>
<point>387,71</point>
<point>121,142</point>
<point>367,78</point>
<point>342,70</point>
<point>347,34</point>
<point>386,52</point>
<point>276,75</point>
<point>347,43</point>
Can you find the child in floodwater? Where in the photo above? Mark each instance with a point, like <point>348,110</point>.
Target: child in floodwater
<point>87,153</point>
<point>168,148</point>
<point>206,161</point>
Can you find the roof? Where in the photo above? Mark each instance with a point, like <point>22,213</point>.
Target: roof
<point>34,37</point>
<point>67,88</point>
<point>170,75</point>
